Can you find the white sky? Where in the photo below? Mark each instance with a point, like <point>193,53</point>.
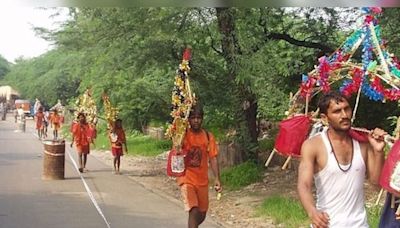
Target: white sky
<point>16,35</point>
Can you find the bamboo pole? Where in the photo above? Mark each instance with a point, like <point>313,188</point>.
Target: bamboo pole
<point>270,158</point>
<point>285,165</point>
<point>356,105</point>
<point>387,77</point>
<point>379,197</point>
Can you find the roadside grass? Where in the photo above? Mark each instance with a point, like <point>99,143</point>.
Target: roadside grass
<point>241,175</point>
<point>138,144</point>
<point>374,213</point>
<point>284,210</point>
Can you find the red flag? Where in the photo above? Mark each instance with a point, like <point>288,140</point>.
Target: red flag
<point>187,55</point>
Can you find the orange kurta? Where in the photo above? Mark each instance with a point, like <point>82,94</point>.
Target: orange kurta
<point>55,120</point>
<point>81,133</point>
<point>196,144</point>
<point>39,117</point>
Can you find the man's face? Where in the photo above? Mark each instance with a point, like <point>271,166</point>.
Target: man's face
<point>338,115</point>
<point>82,119</point>
<point>118,124</point>
<point>195,121</point>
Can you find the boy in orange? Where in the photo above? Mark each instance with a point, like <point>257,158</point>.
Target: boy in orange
<point>55,123</point>
<point>118,142</point>
<point>201,148</point>
<point>39,119</point>
<point>81,136</point>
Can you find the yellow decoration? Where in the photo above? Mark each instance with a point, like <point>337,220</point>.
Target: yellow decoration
<point>182,101</point>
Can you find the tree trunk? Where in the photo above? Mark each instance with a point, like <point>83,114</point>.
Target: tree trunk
<point>245,99</point>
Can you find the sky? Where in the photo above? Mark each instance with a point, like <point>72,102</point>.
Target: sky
<point>17,38</point>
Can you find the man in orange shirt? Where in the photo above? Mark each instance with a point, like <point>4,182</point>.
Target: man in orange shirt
<point>55,121</point>
<point>81,135</point>
<point>39,118</point>
<point>118,141</point>
<point>200,148</point>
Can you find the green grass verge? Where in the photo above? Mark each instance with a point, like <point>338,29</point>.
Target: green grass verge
<point>241,175</point>
<point>137,144</point>
<point>374,213</point>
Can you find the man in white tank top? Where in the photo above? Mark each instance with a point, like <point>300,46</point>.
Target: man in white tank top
<point>338,166</point>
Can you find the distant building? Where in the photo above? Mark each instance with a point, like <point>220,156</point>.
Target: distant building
<point>9,94</point>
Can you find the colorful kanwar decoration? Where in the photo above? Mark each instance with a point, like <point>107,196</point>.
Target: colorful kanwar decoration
<point>87,105</point>
<point>182,101</point>
<point>111,112</point>
<point>377,76</point>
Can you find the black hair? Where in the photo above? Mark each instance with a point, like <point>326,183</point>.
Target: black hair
<point>196,109</point>
<point>326,99</point>
<point>80,114</point>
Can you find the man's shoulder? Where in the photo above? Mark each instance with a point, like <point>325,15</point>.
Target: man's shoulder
<point>312,145</point>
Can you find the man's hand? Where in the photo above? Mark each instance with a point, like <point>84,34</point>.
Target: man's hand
<point>217,185</point>
<point>376,139</point>
<point>319,219</point>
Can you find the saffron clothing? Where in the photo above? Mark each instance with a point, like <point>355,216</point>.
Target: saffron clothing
<point>116,144</point>
<point>81,134</point>
<point>55,120</point>
<point>341,194</point>
<point>195,196</point>
<point>121,139</point>
<point>39,117</point>
<point>199,148</point>
<point>117,151</point>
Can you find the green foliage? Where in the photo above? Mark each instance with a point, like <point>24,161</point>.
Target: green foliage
<point>374,213</point>
<point>241,175</point>
<point>285,211</point>
<point>267,144</point>
<point>4,67</point>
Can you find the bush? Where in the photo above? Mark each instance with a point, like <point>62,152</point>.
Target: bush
<point>241,175</point>
<point>266,144</point>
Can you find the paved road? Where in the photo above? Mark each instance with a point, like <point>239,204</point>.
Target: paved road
<point>27,201</point>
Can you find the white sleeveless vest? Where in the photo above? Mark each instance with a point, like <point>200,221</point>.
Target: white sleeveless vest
<point>341,194</point>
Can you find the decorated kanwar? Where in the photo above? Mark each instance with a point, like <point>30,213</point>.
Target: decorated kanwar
<point>193,148</point>
<point>116,133</point>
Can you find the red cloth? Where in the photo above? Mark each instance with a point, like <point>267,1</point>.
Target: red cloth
<point>292,133</point>
<point>390,163</point>
<point>358,135</point>
<point>170,172</point>
<point>116,151</point>
<point>81,133</point>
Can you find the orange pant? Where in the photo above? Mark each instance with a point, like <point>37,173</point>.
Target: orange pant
<point>195,196</point>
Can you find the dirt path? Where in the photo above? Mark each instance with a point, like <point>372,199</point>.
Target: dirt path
<point>236,208</point>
